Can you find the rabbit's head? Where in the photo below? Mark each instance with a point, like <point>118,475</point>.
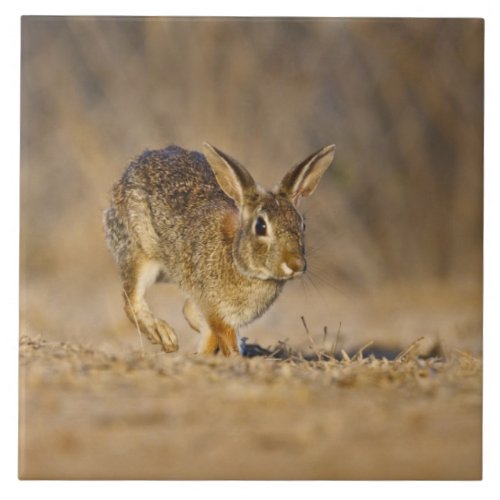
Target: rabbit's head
<point>268,230</point>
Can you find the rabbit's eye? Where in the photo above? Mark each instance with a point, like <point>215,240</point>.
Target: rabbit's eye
<point>260,227</point>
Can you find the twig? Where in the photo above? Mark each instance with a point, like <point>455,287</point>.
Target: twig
<point>325,334</point>
<point>359,353</point>
<point>465,354</point>
<point>333,349</point>
<point>135,321</point>
<point>282,347</point>
<point>312,344</point>
<point>327,355</point>
<point>345,356</point>
<point>410,348</point>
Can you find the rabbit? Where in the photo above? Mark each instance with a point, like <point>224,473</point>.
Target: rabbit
<point>202,222</point>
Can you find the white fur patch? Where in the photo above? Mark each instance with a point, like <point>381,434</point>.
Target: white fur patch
<point>147,276</point>
<point>286,269</point>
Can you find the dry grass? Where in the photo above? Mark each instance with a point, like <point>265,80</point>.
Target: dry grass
<point>91,414</point>
<point>403,201</point>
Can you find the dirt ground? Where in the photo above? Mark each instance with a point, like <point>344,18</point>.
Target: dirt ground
<point>88,413</point>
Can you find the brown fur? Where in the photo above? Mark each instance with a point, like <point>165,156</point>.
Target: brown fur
<point>225,336</point>
<point>230,224</point>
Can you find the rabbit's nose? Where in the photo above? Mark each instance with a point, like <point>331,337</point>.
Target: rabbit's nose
<point>294,264</point>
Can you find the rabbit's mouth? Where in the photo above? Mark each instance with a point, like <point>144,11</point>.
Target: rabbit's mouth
<point>293,265</point>
<point>289,273</point>
<point>281,275</point>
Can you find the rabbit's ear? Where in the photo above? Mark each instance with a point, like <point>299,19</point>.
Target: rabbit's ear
<point>233,178</point>
<point>303,179</point>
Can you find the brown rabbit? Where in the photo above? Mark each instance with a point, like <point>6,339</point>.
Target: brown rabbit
<point>202,222</point>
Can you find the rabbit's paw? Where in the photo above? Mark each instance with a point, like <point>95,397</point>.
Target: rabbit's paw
<point>163,334</point>
<point>168,338</point>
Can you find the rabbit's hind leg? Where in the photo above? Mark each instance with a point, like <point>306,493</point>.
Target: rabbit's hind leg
<point>193,315</point>
<point>209,343</point>
<point>136,282</point>
<point>225,335</point>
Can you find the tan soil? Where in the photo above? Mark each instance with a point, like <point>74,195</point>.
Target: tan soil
<point>86,413</point>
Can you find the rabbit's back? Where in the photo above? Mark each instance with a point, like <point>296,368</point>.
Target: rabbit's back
<point>169,207</point>
<point>182,179</point>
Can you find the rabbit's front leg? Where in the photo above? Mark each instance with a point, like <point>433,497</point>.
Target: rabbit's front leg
<point>137,281</point>
<point>193,315</point>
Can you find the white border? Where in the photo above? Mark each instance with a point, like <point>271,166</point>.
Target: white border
<point>10,47</point>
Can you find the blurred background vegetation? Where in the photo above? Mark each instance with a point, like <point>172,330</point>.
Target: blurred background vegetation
<point>401,99</point>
